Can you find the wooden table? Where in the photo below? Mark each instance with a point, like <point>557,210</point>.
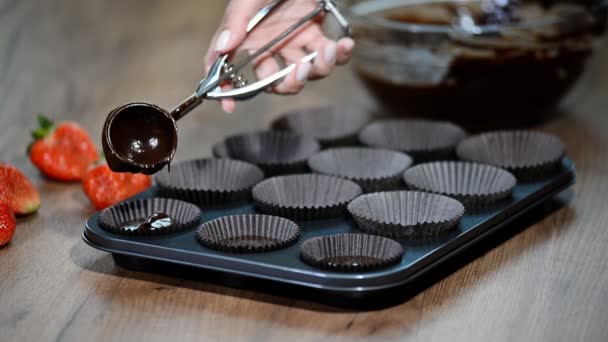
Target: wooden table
<point>77,59</point>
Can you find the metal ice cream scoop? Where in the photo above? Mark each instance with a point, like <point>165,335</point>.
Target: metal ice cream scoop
<point>142,138</point>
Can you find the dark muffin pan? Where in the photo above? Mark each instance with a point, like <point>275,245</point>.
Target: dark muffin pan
<point>285,267</point>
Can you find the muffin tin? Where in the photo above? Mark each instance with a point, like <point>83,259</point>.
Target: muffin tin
<point>287,263</point>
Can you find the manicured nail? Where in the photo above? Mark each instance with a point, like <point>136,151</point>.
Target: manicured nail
<point>222,40</point>
<point>330,53</point>
<point>228,108</point>
<point>302,73</point>
<point>348,44</point>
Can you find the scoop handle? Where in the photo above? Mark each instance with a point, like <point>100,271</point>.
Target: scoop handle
<point>207,84</point>
<point>186,106</point>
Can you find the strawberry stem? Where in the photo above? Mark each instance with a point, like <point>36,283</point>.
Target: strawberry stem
<point>45,128</point>
<point>46,125</point>
<point>45,122</point>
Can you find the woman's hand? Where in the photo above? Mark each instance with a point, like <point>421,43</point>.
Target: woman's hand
<point>309,38</point>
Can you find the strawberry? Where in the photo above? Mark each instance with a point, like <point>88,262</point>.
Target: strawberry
<point>105,187</point>
<point>64,152</point>
<point>3,194</point>
<point>18,190</point>
<point>8,223</point>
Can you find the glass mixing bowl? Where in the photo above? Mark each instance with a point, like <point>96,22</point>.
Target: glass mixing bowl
<point>469,62</point>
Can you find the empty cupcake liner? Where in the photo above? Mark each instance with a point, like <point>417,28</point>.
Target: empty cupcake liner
<point>305,196</point>
<point>118,218</point>
<point>351,252</point>
<point>424,140</point>
<point>275,152</point>
<point>373,169</point>
<point>527,154</point>
<point>209,181</point>
<point>330,125</point>
<point>248,233</point>
<point>474,185</point>
<point>406,214</point>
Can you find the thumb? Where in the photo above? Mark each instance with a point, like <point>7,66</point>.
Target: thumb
<point>237,16</point>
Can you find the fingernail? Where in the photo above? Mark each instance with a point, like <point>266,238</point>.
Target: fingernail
<point>302,73</point>
<point>348,44</point>
<point>227,108</point>
<point>222,40</point>
<point>330,53</point>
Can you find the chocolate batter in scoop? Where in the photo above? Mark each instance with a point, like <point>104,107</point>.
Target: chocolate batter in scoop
<point>139,138</point>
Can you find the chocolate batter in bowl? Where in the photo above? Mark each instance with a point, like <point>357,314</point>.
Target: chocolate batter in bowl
<point>482,63</point>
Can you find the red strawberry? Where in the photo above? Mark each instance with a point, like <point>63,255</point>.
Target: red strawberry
<point>105,187</point>
<point>19,192</point>
<point>3,194</point>
<point>63,153</point>
<point>7,223</point>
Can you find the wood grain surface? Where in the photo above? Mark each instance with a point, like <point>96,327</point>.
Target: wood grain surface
<point>76,60</point>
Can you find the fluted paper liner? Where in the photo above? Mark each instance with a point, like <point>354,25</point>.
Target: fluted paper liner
<point>527,154</point>
<point>209,181</point>
<point>351,252</point>
<point>373,169</point>
<point>184,215</point>
<point>248,233</point>
<point>305,196</point>
<point>424,140</point>
<point>473,184</point>
<point>275,152</point>
<point>330,125</point>
<point>405,214</point>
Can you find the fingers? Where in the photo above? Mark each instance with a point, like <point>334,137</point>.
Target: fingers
<point>211,54</point>
<point>326,57</point>
<point>330,54</point>
<point>294,81</point>
<point>237,16</point>
<point>233,29</point>
<point>231,34</point>
<point>228,105</point>
<point>266,67</point>
<point>345,50</point>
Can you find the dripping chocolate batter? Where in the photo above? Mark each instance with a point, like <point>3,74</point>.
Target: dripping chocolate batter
<point>154,222</point>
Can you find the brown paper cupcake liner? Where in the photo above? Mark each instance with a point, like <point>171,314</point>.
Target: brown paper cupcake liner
<point>424,140</point>
<point>406,214</point>
<point>248,233</point>
<point>305,196</point>
<point>373,169</point>
<point>474,185</point>
<point>351,252</point>
<point>275,152</point>
<point>122,218</point>
<point>209,181</point>
<point>529,155</point>
<point>330,125</point>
